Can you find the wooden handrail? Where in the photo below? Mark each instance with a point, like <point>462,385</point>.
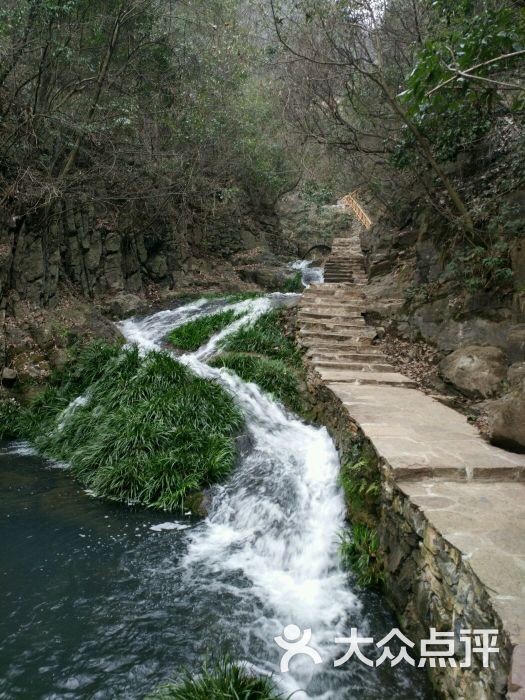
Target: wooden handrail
<point>350,202</point>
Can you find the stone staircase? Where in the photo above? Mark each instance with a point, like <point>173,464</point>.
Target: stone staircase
<point>463,490</point>
<point>338,341</point>
<point>345,263</point>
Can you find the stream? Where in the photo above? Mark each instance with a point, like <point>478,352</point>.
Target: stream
<point>105,601</point>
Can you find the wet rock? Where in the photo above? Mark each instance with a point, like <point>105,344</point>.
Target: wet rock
<point>477,371</point>
<point>8,377</point>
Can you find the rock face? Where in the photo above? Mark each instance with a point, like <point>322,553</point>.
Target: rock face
<point>101,253</point>
<point>507,420</point>
<point>477,371</point>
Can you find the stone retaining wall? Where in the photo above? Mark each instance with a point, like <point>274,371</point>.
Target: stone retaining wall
<point>428,582</point>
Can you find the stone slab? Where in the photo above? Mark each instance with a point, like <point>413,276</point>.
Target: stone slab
<point>486,523</point>
<point>419,436</point>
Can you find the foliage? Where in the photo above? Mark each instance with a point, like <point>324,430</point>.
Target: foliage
<point>294,284</point>
<point>453,105</point>
<point>272,376</point>
<point>265,337</point>
<point>481,268</point>
<point>360,554</point>
<point>191,335</point>
<point>161,102</point>
<point>146,430</point>
<point>223,680</point>
<point>316,193</point>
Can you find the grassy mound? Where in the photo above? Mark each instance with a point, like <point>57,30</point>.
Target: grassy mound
<point>272,376</point>
<point>265,337</point>
<point>190,336</point>
<point>262,353</point>
<point>148,431</point>
<point>224,681</point>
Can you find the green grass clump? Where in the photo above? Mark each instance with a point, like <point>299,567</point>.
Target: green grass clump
<point>265,336</point>
<point>10,416</point>
<point>225,680</point>
<point>272,376</point>
<point>191,335</point>
<point>262,353</point>
<point>294,284</point>
<point>361,482</point>
<point>360,554</point>
<point>150,431</point>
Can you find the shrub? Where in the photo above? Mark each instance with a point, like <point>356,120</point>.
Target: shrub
<point>190,336</point>
<point>225,680</point>
<point>145,431</point>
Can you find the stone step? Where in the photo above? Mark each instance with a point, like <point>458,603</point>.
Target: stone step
<point>349,328</point>
<point>353,377</point>
<point>340,314</point>
<point>353,366</point>
<point>338,335</point>
<point>343,265</point>
<point>317,356</point>
<point>316,346</point>
<point>350,299</point>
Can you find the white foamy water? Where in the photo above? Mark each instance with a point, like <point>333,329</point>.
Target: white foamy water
<point>309,275</point>
<point>276,522</point>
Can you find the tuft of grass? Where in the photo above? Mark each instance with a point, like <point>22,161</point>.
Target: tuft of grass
<point>10,418</point>
<point>360,480</point>
<point>271,375</point>
<point>360,554</point>
<point>294,284</point>
<point>147,430</point>
<point>224,680</point>
<point>191,335</point>
<point>265,336</point>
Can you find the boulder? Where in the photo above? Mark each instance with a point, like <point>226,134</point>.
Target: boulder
<point>123,305</point>
<point>476,371</point>
<point>516,374</point>
<point>506,418</point>
<point>8,377</point>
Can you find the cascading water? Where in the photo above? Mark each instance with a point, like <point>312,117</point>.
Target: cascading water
<point>309,274</point>
<point>157,595</point>
<point>277,521</point>
<point>271,538</point>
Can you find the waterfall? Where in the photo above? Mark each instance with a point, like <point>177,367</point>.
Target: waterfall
<point>277,519</point>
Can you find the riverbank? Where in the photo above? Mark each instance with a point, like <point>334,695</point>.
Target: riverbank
<point>451,514</point>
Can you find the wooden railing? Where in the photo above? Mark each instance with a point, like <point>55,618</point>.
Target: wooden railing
<point>350,202</point>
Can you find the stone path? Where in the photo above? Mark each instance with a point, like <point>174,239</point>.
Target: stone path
<point>471,492</point>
